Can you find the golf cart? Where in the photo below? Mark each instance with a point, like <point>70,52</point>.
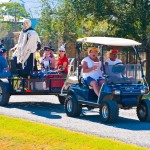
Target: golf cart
<point>124,88</point>
<point>39,83</point>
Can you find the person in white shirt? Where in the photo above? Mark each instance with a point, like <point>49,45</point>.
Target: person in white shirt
<point>48,60</point>
<point>92,72</point>
<point>27,45</point>
<point>111,61</point>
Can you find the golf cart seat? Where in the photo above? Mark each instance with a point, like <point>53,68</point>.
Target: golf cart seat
<point>72,80</point>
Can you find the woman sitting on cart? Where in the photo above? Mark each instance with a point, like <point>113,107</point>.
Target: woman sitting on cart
<point>62,65</point>
<point>92,70</point>
<point>48,60</point>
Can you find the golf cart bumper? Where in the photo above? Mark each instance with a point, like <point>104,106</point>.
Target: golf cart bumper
<point>129,96</point>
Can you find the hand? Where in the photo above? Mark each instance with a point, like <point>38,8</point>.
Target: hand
<point>59,70</point>
<point>95,66</point>
<point>7,69</point>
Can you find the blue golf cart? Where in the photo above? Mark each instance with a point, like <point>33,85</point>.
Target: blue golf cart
<point>124,88</point>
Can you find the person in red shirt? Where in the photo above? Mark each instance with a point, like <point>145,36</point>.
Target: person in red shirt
<point>62,65</point>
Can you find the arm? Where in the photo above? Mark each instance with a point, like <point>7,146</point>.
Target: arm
<point>7,69</point>
<point>64,66</point>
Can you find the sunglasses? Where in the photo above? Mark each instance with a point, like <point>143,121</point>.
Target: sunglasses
<point>61,51</point>
<point>47,50</point>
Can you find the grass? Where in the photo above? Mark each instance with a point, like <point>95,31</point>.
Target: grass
<point>18,134</point>
<point>146,96</point>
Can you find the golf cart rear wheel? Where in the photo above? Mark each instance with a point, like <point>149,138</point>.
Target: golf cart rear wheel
<point>143,110</point>
<point>72,108</point>
<point>4,93</point>
<point>61,99</point>
<point>109,111</point>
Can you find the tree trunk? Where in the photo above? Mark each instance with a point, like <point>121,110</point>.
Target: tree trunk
<point>148,64</point>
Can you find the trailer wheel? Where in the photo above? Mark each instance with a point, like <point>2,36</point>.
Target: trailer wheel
<point>4,93</point>
<point>109,111</point>
<point>61,99</point>
<point>72,108</point>
<point>143,110</point>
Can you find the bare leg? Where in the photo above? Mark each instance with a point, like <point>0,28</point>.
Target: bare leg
<point>95,86</point>
<point>101,82</point>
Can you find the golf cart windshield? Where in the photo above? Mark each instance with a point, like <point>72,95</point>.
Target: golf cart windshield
<point>121,73</point>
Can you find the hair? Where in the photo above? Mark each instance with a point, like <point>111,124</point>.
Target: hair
<point>92,49</point>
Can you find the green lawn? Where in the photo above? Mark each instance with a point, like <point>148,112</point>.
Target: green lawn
<point>18,134</point>
<point>147,96</point>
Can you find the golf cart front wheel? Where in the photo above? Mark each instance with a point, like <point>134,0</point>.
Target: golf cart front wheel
<point>109,111</point>
<point>72,108</point>
<point>143,110</point>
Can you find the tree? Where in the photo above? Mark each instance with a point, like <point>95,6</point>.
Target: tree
<point>126,18</point>
<point>14,10</point>
<point>58,20</point>
<point>46,27</point>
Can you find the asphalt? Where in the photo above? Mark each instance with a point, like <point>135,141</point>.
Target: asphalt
<point>47,110</point>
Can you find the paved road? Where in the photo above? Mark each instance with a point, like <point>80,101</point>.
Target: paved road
<point>46,109</point>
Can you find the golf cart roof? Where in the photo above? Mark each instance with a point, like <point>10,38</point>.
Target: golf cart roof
<point>109,41</point>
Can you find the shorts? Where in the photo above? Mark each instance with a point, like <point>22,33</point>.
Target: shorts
<point>89,80</point>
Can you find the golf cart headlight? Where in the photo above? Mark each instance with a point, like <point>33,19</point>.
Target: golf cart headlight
<point>116,92</point>
<point>144,91</point>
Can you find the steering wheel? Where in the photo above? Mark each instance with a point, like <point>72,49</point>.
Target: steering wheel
<point>118,68</point>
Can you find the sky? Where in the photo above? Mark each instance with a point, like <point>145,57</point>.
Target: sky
<point>31,6</point>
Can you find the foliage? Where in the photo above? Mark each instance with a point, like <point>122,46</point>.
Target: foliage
<point>62,21</point>
<point>46,27</point>
<point>14,10</point>
<point>125,18</point>
<point>58,21</point>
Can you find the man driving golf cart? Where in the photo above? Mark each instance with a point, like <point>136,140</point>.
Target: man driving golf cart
<point>110,62</point>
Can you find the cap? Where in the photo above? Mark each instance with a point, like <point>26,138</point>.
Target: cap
<point>2,50</point>
<point>62,48</point>
<point>27,24</point>
<point>48,47</point>
<point>113,51</point>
